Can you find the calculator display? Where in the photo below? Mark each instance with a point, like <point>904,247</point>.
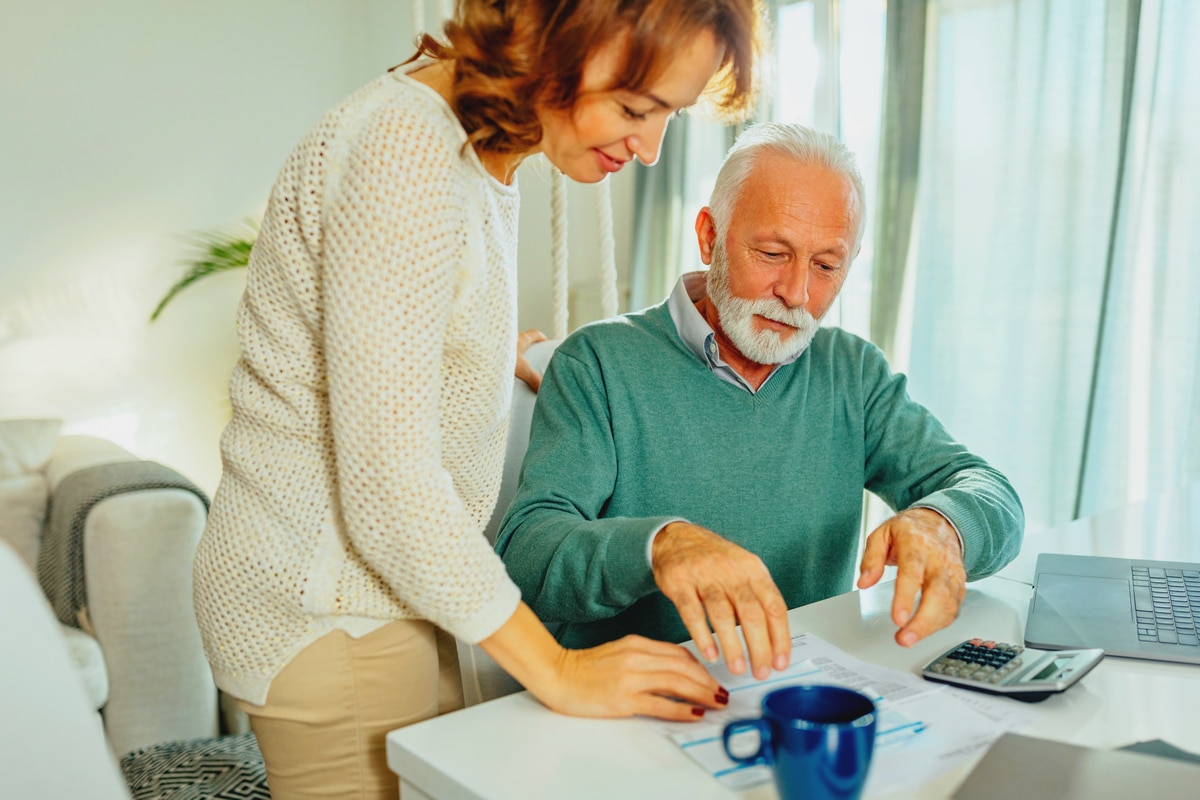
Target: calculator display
<point>1052,669</point>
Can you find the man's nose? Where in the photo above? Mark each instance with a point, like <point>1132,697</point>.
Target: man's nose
<point>647,142</point>
<point>792,286</point>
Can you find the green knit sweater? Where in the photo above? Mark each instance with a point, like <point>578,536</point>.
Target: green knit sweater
<point>631,429</point>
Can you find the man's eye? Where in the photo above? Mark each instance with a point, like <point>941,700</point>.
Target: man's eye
<point>631,114</point>
<point>771,254</point>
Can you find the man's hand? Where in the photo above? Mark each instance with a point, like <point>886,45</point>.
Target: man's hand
<point>706,576</point>
<point>525,370</point>
<point>923,546</point>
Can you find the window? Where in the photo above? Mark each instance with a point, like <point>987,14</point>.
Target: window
<point>828,74</point>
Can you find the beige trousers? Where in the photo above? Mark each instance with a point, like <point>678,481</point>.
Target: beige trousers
<point>322,728</point>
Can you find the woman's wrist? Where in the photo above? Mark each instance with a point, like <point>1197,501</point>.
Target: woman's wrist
<point>529,653</point>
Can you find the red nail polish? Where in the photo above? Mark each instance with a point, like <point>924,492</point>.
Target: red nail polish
<point>697,711</point>
<point>722,697</point>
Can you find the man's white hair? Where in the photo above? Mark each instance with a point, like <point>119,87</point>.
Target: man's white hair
<point>797,142</point>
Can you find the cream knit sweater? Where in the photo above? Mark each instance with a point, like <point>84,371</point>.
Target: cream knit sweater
<point>370,402</point>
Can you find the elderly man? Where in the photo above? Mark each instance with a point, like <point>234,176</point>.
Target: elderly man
<point>702,463</point>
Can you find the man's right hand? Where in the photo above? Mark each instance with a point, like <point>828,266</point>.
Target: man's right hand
<point>712,580</point>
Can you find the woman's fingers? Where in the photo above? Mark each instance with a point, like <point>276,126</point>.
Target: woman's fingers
<point>525,370</point>
<point>639,676</point>
<point>526,338</point>
<point>662,708</point>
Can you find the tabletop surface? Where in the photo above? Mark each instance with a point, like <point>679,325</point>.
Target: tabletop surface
<point>514,747</point>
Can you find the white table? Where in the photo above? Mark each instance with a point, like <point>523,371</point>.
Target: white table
<point>514,747</point>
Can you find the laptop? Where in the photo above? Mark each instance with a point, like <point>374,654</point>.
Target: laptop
<point>1022,766</point>
<point>1128,607</point>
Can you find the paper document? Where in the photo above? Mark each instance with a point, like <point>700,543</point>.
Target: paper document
<point>923,728</point>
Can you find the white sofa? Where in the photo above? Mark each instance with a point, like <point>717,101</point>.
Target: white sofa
<point>138,652</point>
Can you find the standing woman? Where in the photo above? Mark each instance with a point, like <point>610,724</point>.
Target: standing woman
<point>370,402</point>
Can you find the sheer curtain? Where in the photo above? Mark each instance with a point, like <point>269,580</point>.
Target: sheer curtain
<point>669,196</point>
<point>1050,276</point>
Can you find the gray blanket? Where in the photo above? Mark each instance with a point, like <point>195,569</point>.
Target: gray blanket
<point>60,562</point>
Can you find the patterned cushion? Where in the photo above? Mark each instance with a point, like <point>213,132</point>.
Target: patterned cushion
<point>198,769</point>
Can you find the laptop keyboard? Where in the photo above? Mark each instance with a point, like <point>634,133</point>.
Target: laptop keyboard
<point>1167,605</point>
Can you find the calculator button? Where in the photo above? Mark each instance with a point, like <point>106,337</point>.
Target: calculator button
<point>1191,639</point>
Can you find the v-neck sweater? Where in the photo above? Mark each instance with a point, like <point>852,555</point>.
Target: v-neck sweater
<point>631,429</point>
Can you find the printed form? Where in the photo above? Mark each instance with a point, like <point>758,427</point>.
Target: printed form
<point>923,729</point>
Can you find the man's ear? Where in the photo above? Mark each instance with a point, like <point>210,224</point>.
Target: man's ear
<point>706,234</point>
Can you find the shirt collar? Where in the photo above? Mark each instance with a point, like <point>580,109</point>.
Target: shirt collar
<point>697,335</point>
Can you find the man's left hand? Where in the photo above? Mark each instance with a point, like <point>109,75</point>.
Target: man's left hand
<point>924,548</point>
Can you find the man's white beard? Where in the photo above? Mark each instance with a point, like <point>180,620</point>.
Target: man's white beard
<point>737,318</point>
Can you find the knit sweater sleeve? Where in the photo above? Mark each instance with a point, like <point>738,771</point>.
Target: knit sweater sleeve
<point>394,253</point>
<point>912,460</point>
<point>571,565</point>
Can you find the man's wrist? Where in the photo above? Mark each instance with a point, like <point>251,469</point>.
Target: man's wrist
<point>653,536</point>
<point>962,548</point>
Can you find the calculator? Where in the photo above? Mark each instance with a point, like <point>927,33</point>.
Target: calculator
<point>1021,673</point>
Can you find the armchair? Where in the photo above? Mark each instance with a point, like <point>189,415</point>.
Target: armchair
<point>148,674</point>
<point>482,678</point>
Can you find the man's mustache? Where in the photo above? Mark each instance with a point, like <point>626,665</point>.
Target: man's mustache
<point>777,311</point>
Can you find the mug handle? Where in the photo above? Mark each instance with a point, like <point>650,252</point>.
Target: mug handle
<point>760,756</point>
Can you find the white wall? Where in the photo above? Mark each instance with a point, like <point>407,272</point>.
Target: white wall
<point>127,125</point>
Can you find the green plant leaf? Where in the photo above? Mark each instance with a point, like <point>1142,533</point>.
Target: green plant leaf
<point>212,252</point>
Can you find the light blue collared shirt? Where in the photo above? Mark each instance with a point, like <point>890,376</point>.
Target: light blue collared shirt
<point>699,336</point>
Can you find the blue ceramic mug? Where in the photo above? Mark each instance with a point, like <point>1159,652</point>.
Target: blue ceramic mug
<point>817,740</point>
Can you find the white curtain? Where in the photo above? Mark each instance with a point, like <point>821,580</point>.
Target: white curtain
<point>1053,275</point>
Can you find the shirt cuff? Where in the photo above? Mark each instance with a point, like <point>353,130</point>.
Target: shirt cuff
<point>962,548</point>
<point>656,531</point>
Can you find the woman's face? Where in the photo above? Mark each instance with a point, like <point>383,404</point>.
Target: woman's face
<point>606,128</point>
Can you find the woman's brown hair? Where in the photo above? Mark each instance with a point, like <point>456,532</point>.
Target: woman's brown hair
<point>511,56</point>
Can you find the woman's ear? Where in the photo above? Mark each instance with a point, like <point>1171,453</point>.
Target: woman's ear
<point>706,234</point>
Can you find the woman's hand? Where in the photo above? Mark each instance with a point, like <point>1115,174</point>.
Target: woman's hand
<point>633,675</point>
<point>525,370</point>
